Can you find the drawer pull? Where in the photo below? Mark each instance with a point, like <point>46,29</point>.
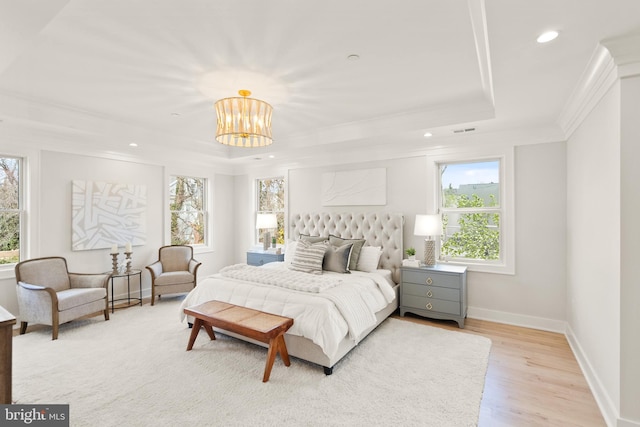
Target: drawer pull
<point>429,294</point>
<point>429,281</point>
<point>429,306</point>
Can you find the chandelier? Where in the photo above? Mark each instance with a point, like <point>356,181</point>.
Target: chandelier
<point>243,122</point>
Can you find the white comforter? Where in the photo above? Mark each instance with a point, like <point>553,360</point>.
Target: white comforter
<point>324,317</point>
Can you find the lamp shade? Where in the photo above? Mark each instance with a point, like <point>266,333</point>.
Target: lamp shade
<point>266,221</point>
<point>243,122</point>
<point>428,225</point>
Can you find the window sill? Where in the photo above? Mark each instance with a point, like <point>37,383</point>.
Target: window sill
<point>483,268</point>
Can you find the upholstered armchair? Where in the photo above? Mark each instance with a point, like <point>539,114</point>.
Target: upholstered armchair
<point>175,271</point>
<point>48,294</point>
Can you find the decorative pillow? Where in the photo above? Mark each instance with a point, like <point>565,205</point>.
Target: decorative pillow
<point>336,258</point>
<point>308,257</point>
<point>313,239</point>
<point>355,251</point>
<point>290,251</point>
<point>369,258</point>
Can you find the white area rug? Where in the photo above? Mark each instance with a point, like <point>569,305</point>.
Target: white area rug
<point>133,370</point>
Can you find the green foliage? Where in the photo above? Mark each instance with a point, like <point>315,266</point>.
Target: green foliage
<point>9,211</point>
<point>410,251</point>
<point>271,200</point>
<point>478,236</point>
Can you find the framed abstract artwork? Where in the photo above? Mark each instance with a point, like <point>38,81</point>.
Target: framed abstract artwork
<point>104,214</point>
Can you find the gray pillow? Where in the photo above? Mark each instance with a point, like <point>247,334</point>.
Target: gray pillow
<point>336,258</point>
<point>308,257</point>
<point>313,239</point>
<point>355,252</point>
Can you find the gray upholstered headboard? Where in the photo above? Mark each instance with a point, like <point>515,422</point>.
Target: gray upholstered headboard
<point>378,228</point>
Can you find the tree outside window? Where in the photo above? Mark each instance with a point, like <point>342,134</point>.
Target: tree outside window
<point>10,210</point>
<point>187,205</point>
<point>270,195</point>
<point>470,204</point>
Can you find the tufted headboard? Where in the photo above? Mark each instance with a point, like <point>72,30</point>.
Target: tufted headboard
<point>378,228</point>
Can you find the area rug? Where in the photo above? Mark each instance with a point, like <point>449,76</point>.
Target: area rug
<point>134,370</point>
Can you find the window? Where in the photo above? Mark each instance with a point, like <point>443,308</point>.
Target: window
<point>188,214</point>
<point>270,199</point>
<point>470,202</point>
<point>10,210</point>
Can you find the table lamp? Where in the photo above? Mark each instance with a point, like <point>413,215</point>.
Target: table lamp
<point>266,222</point>
<point>429,226</point>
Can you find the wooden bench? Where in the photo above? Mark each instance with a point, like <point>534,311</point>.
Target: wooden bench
<point>258,325</point>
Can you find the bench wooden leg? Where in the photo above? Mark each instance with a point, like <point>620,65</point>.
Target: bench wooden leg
<point>271,357</point>
<point>209,329</point>
<point>276,345</point>
<point>282,349</point>
<point>197,324</point>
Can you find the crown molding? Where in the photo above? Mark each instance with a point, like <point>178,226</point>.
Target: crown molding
<point>597,78</point>
<point>613,59</point>
<point>625,51</point>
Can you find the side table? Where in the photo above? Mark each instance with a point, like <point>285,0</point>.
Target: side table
<point>258,257</point>
<point>128,298</point>
<point>439,292</point>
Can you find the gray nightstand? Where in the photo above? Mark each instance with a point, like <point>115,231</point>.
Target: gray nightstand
<point>262,257</point>
<point>439,292</point>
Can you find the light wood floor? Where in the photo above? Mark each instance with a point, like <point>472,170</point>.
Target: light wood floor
<point>533,378</point>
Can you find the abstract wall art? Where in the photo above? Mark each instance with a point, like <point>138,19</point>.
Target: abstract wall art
<point>105,214</point>
<point>358,187</point>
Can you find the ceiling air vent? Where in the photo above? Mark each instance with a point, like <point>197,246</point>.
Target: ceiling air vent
<point>464,130</point>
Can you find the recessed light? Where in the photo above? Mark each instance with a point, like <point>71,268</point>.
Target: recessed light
<point>547,36</point>
<point>353,57</point>
<point>428,135</point>
<point>271,156</point>
<point>175,114</point>
<point>133,144</point>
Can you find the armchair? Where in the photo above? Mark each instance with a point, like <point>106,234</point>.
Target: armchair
<point>174,271</point>
<point>48,294</point>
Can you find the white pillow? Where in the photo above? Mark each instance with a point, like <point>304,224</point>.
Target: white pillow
<point>369,258</point>
<point>290,251</point>
<point>308,257</point>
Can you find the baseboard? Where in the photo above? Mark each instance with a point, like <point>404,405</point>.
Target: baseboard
<point>606,405</point>
<point>541,323</point>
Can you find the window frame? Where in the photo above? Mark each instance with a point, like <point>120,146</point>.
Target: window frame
<point>22,217</point>
<point>505,155</point>
<point>257,234</point>
<point>205,209</point>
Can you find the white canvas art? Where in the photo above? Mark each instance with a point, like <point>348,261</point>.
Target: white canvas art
<point>104,214</point>
<point>351,188</point>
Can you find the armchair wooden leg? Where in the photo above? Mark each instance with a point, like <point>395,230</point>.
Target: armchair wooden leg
<point>153,295</point>
<point>54,332</point>
<point>106,314</point>
<point>23,328</point>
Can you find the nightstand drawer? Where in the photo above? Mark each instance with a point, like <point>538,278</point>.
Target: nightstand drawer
<point>431,304</point>
<point>257,258</point>
<point>431,278</point>
<point>448,294</point>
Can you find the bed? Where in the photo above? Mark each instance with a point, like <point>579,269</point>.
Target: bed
<point>333,311</point>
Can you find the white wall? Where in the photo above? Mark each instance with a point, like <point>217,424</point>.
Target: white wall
<point>630,248</point>
<point>593,247</point>
<point>535,295</point>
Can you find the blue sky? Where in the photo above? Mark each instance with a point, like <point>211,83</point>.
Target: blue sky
<point>471,173</point>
